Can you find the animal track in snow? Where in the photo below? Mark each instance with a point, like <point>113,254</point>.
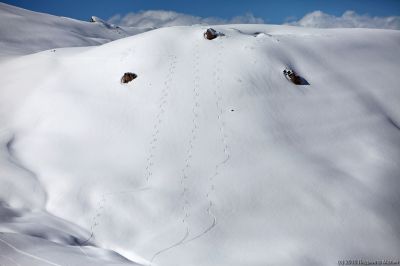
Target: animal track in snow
<point>150,158</point>
<point>96,218</point>
<point>159,118</point>
<point>189,155</point>
<point>223,137</point>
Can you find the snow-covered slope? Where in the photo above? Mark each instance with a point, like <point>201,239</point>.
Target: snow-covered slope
<point>23,31</point>
<point>210,156</point>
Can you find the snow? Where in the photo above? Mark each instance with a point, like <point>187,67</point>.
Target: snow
<point>210,156</point>
<point>24,32</point>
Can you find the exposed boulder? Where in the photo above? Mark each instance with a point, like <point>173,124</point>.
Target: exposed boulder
<point>292,76</point>
<point>96,19</point>
<point>99,21</point>
<point>128,77</point>
<point>211,34</point>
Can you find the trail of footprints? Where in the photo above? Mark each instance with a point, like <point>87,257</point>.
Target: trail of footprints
<point>210,193</point>
<point>221,125</point>
<point>193,136</point>
<point>189,152</point>
<point>223,137</point>
<point>95,219</point>
<point>226,151</point>
<point>189,155</point>
<point>159,118</point>
<point>150,158</point>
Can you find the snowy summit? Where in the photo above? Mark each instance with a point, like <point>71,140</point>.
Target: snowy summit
<point>264,145</point>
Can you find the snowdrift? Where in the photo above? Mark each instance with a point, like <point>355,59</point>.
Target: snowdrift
<point>210,156</point>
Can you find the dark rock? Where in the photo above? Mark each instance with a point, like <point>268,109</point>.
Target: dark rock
<point>294,77</point>
<point>128,77</point>
<point>210,34</point>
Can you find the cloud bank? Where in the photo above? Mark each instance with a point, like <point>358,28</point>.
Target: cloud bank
<point>161,18</point>
<point>349,19</point>
<point>316,19</point>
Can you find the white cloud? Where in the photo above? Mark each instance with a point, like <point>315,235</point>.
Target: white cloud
<point>349,19</point>
<point>316,19</point>
<point>161,18</point>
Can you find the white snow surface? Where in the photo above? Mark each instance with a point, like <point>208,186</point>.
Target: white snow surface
<point>210,157</point>
<point>24,32</point>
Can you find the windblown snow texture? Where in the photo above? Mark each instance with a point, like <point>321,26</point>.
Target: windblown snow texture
<point>210,156</point>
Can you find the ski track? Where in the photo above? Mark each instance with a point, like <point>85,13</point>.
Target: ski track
<point>226,151</point>
<point>28,254</point>
<point>84,252</point>
<point>189,155</point>
<point>9,259</point>
<point>170,247</point>
<point>223,138</point>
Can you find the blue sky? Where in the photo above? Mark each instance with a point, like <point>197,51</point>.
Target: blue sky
<point>275,12</point>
